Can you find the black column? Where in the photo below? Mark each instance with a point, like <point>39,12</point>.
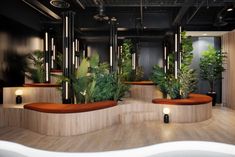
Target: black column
<point>113,44</point>
<point>68,56</point>
<point>47,57</point>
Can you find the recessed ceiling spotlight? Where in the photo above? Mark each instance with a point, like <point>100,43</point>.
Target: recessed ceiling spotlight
<point>229,9</point>
<point>204,34</point>
<point>62,4</point>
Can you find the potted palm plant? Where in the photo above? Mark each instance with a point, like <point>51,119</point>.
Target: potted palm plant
<point>211,68</point>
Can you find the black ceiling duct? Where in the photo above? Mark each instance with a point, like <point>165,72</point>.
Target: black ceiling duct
<point>101,16</point>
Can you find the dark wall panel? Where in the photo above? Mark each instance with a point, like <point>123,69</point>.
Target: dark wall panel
<point>151,53</point>
<point>16,40</point>
<point>102,48</point>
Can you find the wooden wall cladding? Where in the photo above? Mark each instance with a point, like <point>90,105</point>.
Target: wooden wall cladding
<point>32,94</point>
<point>228,83</point>
<point>145,92</point>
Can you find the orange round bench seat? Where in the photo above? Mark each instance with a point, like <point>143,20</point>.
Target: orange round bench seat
<point>194,99</point>
<point>69,108</point>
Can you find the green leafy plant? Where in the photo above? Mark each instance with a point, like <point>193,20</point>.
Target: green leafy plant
<point>82,83</point>
<point>59,60</point>
<point>211,66</point>
<point>186,81</point>
<point>36,68</point>
<point>187,76</point>
<point>93,82</point>
<point>124,62</point>
<point>159,77</point>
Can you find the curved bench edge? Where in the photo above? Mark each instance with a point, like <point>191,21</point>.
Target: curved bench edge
<point>69,108</point>
<point>194,99</point>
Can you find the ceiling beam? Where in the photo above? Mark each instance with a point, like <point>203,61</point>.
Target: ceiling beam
<point>187,4</point>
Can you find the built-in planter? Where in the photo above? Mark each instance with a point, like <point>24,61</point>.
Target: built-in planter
<point>144,90</point>
<point>196,108</point>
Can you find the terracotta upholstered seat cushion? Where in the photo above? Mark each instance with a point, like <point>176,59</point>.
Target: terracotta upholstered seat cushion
<point>69,108</point>
<point>194,99</point>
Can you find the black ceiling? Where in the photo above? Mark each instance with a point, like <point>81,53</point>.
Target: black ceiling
<point>140,17</point>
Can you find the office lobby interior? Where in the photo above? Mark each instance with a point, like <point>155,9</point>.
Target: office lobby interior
<point>145,78</point>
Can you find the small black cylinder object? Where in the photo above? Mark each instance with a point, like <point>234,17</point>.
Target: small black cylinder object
<point>166,118</point>
<point>18,99</point>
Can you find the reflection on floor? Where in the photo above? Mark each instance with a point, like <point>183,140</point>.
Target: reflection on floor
<point>221,128</point>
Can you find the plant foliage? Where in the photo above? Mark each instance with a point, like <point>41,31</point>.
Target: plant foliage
<point>95,83</point>
<point>125,60</point>
<point>36,68</point>
<point>211,66</point>
<point>186,81</point>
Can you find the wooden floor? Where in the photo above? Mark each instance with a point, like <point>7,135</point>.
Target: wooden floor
<point>221,128</point>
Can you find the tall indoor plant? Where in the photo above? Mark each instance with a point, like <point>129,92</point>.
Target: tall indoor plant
<point>211,68</point>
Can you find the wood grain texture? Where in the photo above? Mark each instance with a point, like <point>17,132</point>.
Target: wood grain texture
<point>144,92</point>
<point>128,111</point>
<point>220,128</point>
<point>228,83</point>
<point>32,94</point>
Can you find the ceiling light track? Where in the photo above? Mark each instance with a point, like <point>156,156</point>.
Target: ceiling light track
<point>80,4</point>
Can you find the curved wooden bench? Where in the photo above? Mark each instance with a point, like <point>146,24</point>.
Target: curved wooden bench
<point>69,108</point>
<point>194,99</point>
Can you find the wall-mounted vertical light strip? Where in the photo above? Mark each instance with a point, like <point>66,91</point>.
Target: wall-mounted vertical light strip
<point>180,30</point>
<point>176,46</point>
<point>76,62</point>
<point>118,52</point>
<point>66,58</point>
<point>52,50</point>
<point>73,53</point>
<point>111,56</point>
<point>176,50</point>
<point>168,65</point>
<point>165,61</point>
<point>180,41</point>
<point>66,26</point>
<point>133,61</point>
<point>88,51</point>
<point>66,90</point>
<point>52,63</point>
<point>176,69</point>
<point>46,41</point>
<point>47,72</point>
<point>76,45</point>
<point>47,57</point>
<point>84,53</point>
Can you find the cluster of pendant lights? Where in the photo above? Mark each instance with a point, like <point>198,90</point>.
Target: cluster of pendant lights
<point>72,61</point>
<point>177,54</point>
